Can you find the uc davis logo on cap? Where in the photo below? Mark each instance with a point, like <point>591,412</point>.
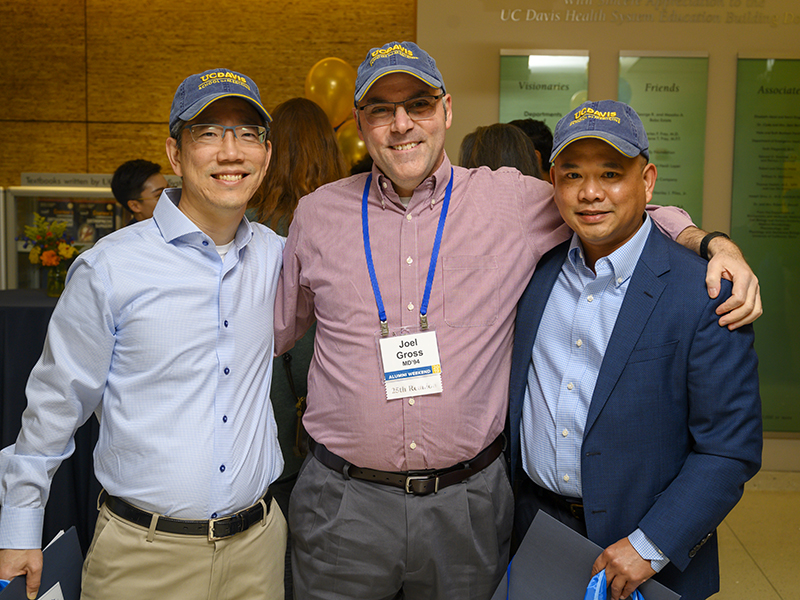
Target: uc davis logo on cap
<point>590,113</point>
<point>222,77</point>
<point>387,52</point>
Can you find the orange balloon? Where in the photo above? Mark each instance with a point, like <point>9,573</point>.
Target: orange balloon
<point>352,146</point>
<point>331,83</point>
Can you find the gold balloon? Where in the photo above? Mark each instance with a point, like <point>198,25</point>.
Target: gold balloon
<point>331,83</point>
<point>352,146</point>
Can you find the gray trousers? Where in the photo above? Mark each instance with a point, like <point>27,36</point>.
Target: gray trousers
<point>355,539</point>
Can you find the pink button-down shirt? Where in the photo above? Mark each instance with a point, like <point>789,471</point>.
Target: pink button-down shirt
<point>498,226</point>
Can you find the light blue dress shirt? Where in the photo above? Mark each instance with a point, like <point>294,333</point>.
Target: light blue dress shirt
<point>171,345</point>
<point>567,355</point>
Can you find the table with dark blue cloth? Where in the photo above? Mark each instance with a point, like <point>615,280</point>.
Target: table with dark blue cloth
<point>24,315</point>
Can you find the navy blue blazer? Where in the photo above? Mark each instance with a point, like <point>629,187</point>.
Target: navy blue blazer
<point>674,426</point>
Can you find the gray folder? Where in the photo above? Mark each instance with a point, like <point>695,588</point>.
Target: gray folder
<point>555,563</point>
<point>61,573</point>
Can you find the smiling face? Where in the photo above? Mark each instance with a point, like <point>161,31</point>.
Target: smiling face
<point>406,151</point>
<point>219,180</point>
<point>601,194</point>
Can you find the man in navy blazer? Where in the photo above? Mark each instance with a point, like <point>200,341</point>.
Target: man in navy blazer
<point>634,417</point>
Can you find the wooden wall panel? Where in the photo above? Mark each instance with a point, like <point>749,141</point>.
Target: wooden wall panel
<point>112,66</point>
<point>42,45</point>
<point>111,144</point>
<point>134,66</point>
<point>47,148</point>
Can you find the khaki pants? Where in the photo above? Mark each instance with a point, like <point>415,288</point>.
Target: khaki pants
<point>122,565</point>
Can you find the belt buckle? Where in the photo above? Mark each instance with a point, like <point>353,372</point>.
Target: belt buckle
<point>576,510</point>
<point>412,478</point>
<point>236,526</point>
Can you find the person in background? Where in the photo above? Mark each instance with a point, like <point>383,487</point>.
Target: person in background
<point>405,492</point>
<point>542,138</point>
<point>305,156</point>
<point>137,186</point>
<point>635,418</point>
<point>499,145</point>
<point>165,331</point>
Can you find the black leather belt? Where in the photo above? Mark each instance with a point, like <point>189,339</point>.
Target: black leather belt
<point>418,483</point>
<point>573,505</point>
<point>214,529</point>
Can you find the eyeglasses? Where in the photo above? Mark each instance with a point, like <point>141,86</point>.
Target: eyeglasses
<point>206,133</point>
<point>418,109</point>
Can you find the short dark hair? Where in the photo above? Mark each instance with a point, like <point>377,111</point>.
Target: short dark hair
<point>129,179</point>
<point>540,135</point>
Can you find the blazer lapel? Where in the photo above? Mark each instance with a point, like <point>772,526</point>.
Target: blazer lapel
<point>643,293</point>
<point>529,315</point>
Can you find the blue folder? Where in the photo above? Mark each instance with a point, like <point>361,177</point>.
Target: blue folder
<point>61,573</point>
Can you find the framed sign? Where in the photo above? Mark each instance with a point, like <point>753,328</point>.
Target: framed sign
<point>542,84</point>
<point>670,93</point>
<point>765,222</point>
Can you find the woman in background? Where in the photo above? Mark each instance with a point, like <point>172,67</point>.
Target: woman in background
<point>499,145</point>
<point>305,155</point>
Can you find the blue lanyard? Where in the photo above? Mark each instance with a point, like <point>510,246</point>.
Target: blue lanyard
<point>423,309</point>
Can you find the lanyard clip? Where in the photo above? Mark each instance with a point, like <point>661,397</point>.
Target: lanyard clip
<point>384,328</point>
<point>423,321</point>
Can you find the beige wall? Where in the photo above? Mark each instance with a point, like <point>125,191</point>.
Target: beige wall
<point>465,37</point>
<point>88,84</point>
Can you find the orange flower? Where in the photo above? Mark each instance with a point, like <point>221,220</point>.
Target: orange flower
<point>50,258</point>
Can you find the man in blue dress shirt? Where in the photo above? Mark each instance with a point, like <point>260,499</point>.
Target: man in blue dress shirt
<point>165,332</point>
<point>635,418</point>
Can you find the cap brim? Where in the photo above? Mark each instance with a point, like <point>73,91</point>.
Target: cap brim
<point>195,109</point>
<point>617,143</point>
<point>431,81</point>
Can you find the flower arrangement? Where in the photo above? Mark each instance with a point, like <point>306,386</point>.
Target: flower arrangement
<point>50,247</point>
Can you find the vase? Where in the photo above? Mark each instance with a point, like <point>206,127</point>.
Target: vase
<point>56,279</point>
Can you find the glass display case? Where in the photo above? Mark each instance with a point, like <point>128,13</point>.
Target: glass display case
<point>89,212</point>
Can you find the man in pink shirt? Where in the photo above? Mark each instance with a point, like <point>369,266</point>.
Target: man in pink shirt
<point>412,273</point>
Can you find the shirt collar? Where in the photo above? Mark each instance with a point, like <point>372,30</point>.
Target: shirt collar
<point>430,191</point>
<point>175,225</point>
<point>622,261</point>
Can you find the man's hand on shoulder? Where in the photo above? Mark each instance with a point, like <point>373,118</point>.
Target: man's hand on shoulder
<point>625,569</point>
<point>14,563</point>
<point>726,261</point>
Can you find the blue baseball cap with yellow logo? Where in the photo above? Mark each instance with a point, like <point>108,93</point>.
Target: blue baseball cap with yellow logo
<point>608,120</point>
<point>198,91</point>
<point>397,57</point>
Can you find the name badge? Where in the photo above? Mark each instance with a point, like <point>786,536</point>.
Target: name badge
<point>411,365</point>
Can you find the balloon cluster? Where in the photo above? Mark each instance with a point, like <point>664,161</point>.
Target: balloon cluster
<point>331,83</point>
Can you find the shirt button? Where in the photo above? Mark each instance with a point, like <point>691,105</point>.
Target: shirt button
<point>570,386</point>
<point>413,445</point>
<point>225,323</point>
<point>411,401</point>
<point>385,185</point>
<point>226,371</point>
<point>566,477</point>
<point>222,468</point>
<point>225,418</point>
<point>409,217</point>
<point>565,433</point>
<point>213,515</point>
<point>619,279</point>
<point>589,298</point>
<point>410,306</point>
<point>579,343</point>
<point>409,260</point>
<point>205,242</point>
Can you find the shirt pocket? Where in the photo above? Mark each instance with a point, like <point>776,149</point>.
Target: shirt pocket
<point>471,292</point>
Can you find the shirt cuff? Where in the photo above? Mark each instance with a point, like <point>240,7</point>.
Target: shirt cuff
<point>21,528</point>
<point>648,550</point>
